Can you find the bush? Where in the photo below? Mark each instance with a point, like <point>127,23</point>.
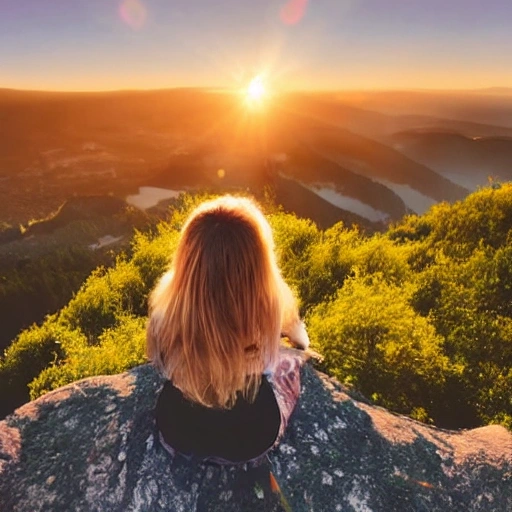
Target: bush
<point>152,254</point>
<point>419,320</point>
<point>313,262</point>
<point>32,351</point>
<point>372,339</point>
<point>379,255</point>
<point>104,296</point>
<point>482,218</point>
<point>118,349</point>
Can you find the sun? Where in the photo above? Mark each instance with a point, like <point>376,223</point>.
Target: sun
<point>256,90</point>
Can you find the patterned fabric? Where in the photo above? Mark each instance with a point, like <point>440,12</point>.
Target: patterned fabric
<point>285,382</point>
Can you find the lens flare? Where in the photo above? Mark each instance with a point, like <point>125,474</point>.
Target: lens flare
<point>293,11</point>
<point>133,13</point>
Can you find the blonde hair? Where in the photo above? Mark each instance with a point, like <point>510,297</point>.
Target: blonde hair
<point>216,316</point>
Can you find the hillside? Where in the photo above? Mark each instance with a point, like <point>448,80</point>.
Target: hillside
<point>439,348</point>
<point>54,146</point>
<point>294,196</point>
<point>380,114</point>
<point>465,160</point>
<point>378,203</point>
<point>384,164</point>
<point>486,107</point>
<point>43,263</point>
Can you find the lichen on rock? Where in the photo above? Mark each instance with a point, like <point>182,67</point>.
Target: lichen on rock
<point>91,446</point>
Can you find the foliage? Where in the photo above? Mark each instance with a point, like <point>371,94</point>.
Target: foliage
<point>313,262</point>
<point>484,217</point>
<point>118,348</point>
<point>31,287</point>
<point>105,295</point>
<point>418,319</point>
<point>32,351</point>
<point>373,339</point>
<point>152,253</point>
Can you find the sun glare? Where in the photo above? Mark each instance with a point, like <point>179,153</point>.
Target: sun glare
<point>256,90</point>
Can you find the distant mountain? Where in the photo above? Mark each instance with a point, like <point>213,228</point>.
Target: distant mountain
<point>496,90</point>
<point>372,160</point>
<point>380,114</point>
<point>465,160</point>
<point>339,146</point>
<point>320,174</point>
<point>489,107</point>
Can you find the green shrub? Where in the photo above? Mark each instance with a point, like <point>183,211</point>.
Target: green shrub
<point>372,339</point>
<point>118,349</point>
<point>104,296</point>
<point>419,320</point>
<point>32,351</point>
<point>313,262</point>
<point>152,254</point>
<point>378,255</point>
<point>484,217</point>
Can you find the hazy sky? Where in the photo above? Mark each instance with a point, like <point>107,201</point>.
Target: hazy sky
<point>336,44</point>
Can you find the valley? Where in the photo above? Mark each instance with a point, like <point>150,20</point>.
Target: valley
<point>80,171</point>
<point>54,146</point>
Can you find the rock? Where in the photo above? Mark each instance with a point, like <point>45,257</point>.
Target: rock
<point>91,446</point>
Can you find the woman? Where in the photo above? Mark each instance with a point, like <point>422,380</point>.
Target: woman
<point>215,323</point>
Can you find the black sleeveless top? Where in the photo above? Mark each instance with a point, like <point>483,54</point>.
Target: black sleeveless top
<point>238,434</point>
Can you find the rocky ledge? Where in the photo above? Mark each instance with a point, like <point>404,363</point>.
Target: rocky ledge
<point>91,446</point>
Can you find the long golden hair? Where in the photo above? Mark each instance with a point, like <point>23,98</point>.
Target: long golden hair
<point>216,316</point>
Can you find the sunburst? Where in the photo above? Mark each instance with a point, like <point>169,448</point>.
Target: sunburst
<point>256,89</point>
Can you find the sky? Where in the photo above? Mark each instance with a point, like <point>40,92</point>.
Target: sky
<point>295,44</point>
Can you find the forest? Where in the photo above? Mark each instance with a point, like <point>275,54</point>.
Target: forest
<point>43,262</point>
<point>417,319</point>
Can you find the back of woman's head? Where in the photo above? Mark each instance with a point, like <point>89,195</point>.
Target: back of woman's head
<point>215,317</point>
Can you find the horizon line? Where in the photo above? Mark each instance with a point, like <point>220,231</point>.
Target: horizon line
<point>326,90</point>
